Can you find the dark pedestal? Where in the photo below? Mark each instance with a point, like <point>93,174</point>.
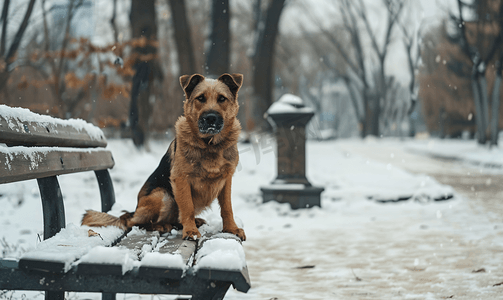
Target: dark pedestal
<point>298,197</point>
<point>291,185</point>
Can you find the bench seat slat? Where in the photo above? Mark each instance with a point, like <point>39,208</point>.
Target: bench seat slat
<point>58,253</point>
<point>128,251</point>
<point>170,246</point>
<point>21,163</point>
<point>21,127</point>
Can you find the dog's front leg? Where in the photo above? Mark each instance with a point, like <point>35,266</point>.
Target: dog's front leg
<point>183,198</point>
<point>224,199</point>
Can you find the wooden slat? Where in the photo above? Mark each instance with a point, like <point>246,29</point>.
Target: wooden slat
<point>133,242</point>
<point>39,163</point>
<point>15,132</point>
<point>136,242</point>
<point>173,245</point>
<point>177,245</point>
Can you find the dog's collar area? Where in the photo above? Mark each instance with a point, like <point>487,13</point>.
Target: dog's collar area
<point>208,140</point>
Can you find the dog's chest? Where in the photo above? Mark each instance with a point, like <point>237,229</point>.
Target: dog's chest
<point>210,165</point>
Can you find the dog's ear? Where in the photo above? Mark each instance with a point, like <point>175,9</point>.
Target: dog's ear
<point>233,81</point>
<point>189,83</point>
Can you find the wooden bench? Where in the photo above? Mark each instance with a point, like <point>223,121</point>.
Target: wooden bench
<point>102,260</point>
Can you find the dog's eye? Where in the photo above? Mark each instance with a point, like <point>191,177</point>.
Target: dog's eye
<point>221,99</point>
<point>201,98</point>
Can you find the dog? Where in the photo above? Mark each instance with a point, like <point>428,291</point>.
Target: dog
<point>197,168</point>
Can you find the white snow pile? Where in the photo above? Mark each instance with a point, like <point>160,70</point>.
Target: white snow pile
<point>16,115</point>
<point>73,242</point>
<point>222,252</point>
<point>163,260</point>
<point>289,103</point>
<point>111,256</point>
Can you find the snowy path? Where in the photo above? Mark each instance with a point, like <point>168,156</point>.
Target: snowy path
<point>482,186</point>
<point>397,251</point>
<point>352,248</point>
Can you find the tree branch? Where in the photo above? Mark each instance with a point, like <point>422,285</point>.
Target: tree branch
<point>4,18</point>
<point>17,38</point>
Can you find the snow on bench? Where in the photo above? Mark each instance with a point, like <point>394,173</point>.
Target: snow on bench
<point>24,163</point>
<point>58,253</point>
<point>216,256</point>
<point>19,126</point>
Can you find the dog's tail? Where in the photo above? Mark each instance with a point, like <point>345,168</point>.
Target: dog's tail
<point>99,219</point>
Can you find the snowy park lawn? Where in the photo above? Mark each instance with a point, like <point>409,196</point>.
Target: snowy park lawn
<point>351,248</point>
<point>468,152</point>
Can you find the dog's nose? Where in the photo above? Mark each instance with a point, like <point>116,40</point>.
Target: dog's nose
<point>211,118</point>
<point>211,122</point>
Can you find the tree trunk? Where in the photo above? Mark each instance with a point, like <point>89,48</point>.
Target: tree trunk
<point>442,122</point>
<point>478,109</point>
<point>484,100</point>
<point>496,105</point>
<point>217,61</point>
<point>354,102</point>
<point>366,125</point>
<point>143,25</point>
<point>183,38</point>
<point>263,73</point>
<point>5,20</point>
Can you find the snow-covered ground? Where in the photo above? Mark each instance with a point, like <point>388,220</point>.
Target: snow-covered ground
<point>351,248</point>
<point>468,152</point>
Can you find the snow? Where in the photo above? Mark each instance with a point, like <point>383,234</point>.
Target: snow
<point>222,254</point>
<point>15,115</point>
<point>469,153</point>
<point>291,99</point>
<point>71,243</point>
<point>289,103</point>
<point>36,154</point>
<point>112,256</point>
<point>391,247</point>
<point>163,260</point>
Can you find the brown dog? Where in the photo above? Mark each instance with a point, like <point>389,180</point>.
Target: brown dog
<point>196,169</point>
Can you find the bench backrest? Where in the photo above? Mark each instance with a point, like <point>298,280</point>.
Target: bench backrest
<point>41,147</point>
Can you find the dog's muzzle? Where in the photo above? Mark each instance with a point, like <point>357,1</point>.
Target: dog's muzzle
<point>210,122</point>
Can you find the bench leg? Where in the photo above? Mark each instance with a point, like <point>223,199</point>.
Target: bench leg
<point>52,205</point>
<point>107,296</point>
<point>106,190</point>
<point>216,291</point>
<point>54,295</point>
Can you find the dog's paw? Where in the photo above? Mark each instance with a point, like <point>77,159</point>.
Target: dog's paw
<point>200,222</point>
<point>162,228</point>
<point>191,234</point>
<point>240,233</point>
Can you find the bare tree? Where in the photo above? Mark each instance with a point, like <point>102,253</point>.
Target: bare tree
<point>263,73</point>
<point>412,41</point>
<point>496,102</point>
<point>217,60</point>
<point>394,8</point>
<point>354,15</point>
<point>480,55</point>
<point>147,69</point>
<point>113,23</point>
<point>183,37</point>
<point>7,58</point>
